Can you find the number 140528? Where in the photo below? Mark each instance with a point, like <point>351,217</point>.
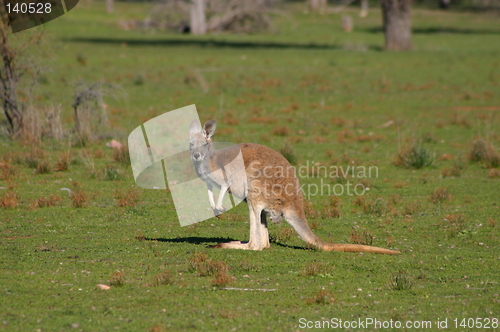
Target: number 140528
<point>31,8</point>
<point>476,323</point>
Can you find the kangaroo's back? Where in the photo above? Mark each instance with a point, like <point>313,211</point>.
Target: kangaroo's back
<point>271,178</point>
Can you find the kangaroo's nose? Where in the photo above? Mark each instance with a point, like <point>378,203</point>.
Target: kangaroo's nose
<point>196,155</point>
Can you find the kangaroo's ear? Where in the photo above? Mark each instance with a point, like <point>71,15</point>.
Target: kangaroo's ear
<point>194,127</point>
<point>209,128</point>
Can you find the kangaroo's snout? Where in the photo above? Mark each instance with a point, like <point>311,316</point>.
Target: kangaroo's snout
<point>197,156</point>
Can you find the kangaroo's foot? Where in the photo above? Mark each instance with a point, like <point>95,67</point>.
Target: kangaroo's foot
<point>240,245</point>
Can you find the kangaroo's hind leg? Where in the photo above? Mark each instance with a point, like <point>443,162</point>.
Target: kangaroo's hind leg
<point>263,231</point>
<point>259,235</point>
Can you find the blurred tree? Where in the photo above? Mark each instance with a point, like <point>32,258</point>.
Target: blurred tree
<point>197,18</point>
<point>317,5</point>
<point>444,4</point>
<point>109,6</point>
<point>364,8</point>
<point>202,16</point>
<point>397,24</point>
<point>11,71</point>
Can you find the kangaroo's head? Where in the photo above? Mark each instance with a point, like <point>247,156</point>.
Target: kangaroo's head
<point>200,142</point>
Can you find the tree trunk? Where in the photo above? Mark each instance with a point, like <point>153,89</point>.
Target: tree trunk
<point>109,6</point>
<point>364,8</point>
<point>397,24</point>
<point>8,80</point>
<point>317,5</point>
<point>197,17</point>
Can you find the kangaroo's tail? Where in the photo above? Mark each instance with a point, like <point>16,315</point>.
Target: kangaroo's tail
<point>354,248</point>
<point>299,223</point>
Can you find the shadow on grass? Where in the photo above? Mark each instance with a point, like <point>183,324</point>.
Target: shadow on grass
<point>171,42</point>
<point>211,241</point>
<point>291,247</point>
<point>436,30</point>
<point>193,240</point>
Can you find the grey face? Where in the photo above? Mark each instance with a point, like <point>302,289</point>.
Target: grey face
<point>198,145</point>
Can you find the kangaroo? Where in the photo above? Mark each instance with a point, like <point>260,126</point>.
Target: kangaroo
<point>268,184</point>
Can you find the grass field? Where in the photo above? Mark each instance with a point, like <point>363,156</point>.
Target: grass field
<point>324,97</point>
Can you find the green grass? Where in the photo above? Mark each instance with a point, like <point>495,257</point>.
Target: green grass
<point>443,94</point>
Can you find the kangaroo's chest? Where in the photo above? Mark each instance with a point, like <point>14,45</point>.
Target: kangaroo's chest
<point>204,171</point>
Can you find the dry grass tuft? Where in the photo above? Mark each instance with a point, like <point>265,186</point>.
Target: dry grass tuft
<point>446,156</point>
<point>458,119</point>
<point>126,197</point>
<point>163,278</point>
<point>454,224</point>
<point>41,122</point>
<point>478,150</point>
<point>63,162</point>
<point>222,279</point>
<point>12,157</point>
<point>370,138</point>
<point>157,328</point>
<point>451,172</point>
<point>494,173</point>
<point>197,259</point>
<point>400,281</point>
<point>322,297</point>
<point>331,208</point>
<point>271,82</point>
<point>43,167</point>
<point>49,201</point>
<point>315,269</point>
<point>314,224</point>
<point>320,139</point>
<point>440,195</point>
<point>206,267</point>
<point>309,210</point>
<point>99,154</point>
<point>484,151</point>
<point>345,136</point>
<point>122,155</point>
<point>364,238</point>
<point>414,156</point>
<point>376,206</point>
<point>7,172</point>
<point>339,122</point>
<point>210,268</point>
<point>9,200</point>
<point>293,107</point>
<point>229,119</point>
<point>329,212</point>
<point>281,131</point>
<point>79,199</point>
<point>400,184</point>
<point>395,199</point>
<point>109,173</point>
<point>283,235</point>
<point>413,207</point>
<point>117,279</point>
<point>359,201</point>
<point>493,158</point>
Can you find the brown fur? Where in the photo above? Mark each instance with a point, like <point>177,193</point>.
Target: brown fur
<point>271,188</point>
